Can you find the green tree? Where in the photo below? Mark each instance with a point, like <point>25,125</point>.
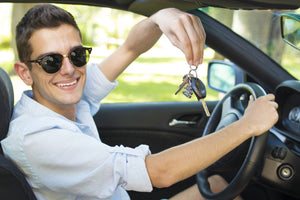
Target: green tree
<point>18,11</point>
<point>262,29</point>
<point>226,17</point>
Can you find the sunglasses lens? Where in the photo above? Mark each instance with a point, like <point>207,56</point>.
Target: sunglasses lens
<point>80,56</point>
<point>52,63</point>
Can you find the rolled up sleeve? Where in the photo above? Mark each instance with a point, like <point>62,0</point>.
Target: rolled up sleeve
<point>132,167</point>
<point>97,87</point>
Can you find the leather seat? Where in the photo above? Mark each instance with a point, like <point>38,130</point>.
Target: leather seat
<point>13,185</point>
<point>6,102</point>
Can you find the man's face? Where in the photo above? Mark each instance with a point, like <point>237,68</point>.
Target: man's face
<point>64,88</point>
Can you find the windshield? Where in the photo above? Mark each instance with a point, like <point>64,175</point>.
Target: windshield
<point>261,28</point>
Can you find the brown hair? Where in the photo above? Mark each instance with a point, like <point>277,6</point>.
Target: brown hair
<point>38,17</point>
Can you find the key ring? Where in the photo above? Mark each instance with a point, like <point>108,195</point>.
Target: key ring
<point>193,69</point>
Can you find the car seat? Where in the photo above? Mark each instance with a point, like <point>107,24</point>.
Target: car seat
<point>13,185</point>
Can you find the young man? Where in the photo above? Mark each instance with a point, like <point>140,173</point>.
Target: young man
<point>52,136</point>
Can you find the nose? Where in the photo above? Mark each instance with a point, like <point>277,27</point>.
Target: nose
<point>67,67</point>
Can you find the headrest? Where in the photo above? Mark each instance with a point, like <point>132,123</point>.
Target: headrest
<point>6,102</point>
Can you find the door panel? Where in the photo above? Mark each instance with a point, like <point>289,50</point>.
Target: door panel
<point>132,124</point>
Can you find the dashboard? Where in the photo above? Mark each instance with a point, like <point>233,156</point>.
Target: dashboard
<point>288,98</point>
<point>282,153</point>
<point>291,115</point>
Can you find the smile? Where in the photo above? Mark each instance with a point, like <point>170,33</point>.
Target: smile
<point>67,84</point>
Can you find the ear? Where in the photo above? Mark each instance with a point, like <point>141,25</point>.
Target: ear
<point>23,72</point>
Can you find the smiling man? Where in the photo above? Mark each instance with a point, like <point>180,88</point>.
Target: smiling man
<point>52,135</point>
<point>61,91</point>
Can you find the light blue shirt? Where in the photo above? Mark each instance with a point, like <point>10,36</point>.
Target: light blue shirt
<point>63,159</point>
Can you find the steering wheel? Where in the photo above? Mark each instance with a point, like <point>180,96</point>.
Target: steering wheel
<point>228,110</point>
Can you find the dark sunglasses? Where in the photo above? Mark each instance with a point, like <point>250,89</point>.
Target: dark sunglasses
<point>51,63</point>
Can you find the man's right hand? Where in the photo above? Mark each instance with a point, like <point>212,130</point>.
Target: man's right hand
<point>261,114</point>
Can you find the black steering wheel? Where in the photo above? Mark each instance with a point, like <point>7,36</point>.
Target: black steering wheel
<point>229,109</point>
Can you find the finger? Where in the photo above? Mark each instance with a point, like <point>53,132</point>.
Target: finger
<point>181,40</point>
<point>202,37</point>
<point>275,105</point>
<point>270,97</point>
<point>196,39</point>
<point>188,35</point>
<point>251,99</point>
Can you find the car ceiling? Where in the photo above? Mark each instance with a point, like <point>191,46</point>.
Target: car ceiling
<point>147,7</point>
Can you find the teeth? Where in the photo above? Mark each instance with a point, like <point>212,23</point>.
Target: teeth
<point>66,84</point>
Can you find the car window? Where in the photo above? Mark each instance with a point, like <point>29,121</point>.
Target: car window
<point>156,75</point>
<point>153,77</point>
<point>264,34</point>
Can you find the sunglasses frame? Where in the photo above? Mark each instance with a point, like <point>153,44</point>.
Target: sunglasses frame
<point>40,60</point>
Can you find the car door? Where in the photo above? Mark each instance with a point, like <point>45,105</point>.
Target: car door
<point>160,125</point>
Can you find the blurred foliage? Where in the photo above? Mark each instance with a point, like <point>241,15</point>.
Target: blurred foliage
<point>291,63</point>
<point>108,28</point>
<point>102,26</point>
<point>5,42</point>
<point>8,67</point>
<point>151,88</point>
<point>152,60</point>
<point>84,16</point>
<point>86,19</point>
<point>99,27</point>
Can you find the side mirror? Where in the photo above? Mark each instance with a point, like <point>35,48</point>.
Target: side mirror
<point>290,29</point>
<point>223,75</point>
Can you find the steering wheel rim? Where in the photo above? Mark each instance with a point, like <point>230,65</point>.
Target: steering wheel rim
<point>253,156</point>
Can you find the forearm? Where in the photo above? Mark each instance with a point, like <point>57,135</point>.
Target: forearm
<point>178,163</point>
<point>116,63</point>
<point>140,39</point>
<point>184,30</point>
<point>181,162</point>
<point>143,36</point>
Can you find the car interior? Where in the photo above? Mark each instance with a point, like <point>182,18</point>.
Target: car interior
<point>12,181</point>
<point>149,123</point>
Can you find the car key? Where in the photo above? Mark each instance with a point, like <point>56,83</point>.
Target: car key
<point>200,91</point>
<point>185,80</point>
<point>188,92</point>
